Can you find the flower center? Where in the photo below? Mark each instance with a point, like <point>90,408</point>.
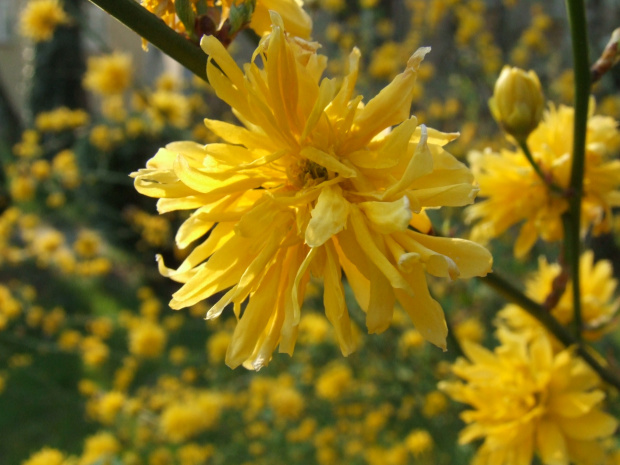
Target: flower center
<point>306,173</point>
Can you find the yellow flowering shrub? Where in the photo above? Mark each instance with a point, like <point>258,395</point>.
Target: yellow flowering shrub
<point>310,212</point>
<point>506,179</point>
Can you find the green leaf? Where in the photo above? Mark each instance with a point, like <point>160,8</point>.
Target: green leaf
<point>186,14</point>
<point>241,14</point>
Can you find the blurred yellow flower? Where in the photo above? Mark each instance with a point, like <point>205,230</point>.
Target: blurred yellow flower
<point>471,329</point>
<point>109,405</point>
<point>598,305</point>
<point>217,345</point>
<point>108,74</point>
<point>419,442</point>
<point>99,448</point>
<point>181,421</point>
<point>147,339</point>
<point>61,119</point>
<point>287,403</point>
<point>313,182</point>
<point>513,192</point>
<point>40,18</point>
<point>94,351</point>
<point>525,399</point>
<point>334,382</point>
<point>46,456</point>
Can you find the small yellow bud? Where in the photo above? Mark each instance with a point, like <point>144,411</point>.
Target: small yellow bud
<point>517,103</point>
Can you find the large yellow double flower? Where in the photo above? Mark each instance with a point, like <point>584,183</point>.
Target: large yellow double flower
<point>312,182</point>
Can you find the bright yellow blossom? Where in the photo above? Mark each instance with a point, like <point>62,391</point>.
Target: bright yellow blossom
<point>99,448</point>
<point>46,456</point>
<point>314,182</point>
<point>40,18</point>
<point>147,339</point>
<point>525,399</point>
<point>108,74</point>
<point>419,442</point>
<point>515,194</point>
<point>334,382</point>
<point>598,305</point>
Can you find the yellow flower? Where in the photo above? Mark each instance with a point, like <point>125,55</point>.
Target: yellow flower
<point>598,305</point>
<point>109,405</point>
<point>514,193</point>
<point>94,351</point>
<point>61,119</point>
<point>419,442</point>
<point>46,456</point>
<point>184,420</point>
<point>527,400</point>
<point>147,339</point>
<point>99,449</point>
<point>40,18</point>
<point>334,382</point>
<point>315,183</point>
<point>217,345</point>
<point>108,74</point>
<point>287,403</point>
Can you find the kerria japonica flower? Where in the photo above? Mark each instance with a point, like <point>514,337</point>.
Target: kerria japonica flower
<point>312,182</point>
<point>528,400</point>
<point>599,306</point>
<point>514,193</point>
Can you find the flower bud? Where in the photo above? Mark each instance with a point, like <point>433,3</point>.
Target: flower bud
<point>517,103</point>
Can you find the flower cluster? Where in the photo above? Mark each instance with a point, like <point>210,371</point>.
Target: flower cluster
<point>313,182</point>
<point>514,193</point>
<point>526,398</point>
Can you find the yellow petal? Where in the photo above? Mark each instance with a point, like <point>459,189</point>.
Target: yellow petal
<point>333,299</point>
<point>393,104</point>
<point>355,264</point>
<point>372,251</point>
<point>381,303</point>
<point>575,404</point>
<point>254,319</point>
<point>471,259</point>
<point>388,217</point>
<point>593,425</point>
<point>551,444</point>
<point>420,164</point>
<point>329,216</point>
<point>424,311</point>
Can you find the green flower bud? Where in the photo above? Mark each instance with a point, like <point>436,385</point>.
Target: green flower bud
<point>518,102</point>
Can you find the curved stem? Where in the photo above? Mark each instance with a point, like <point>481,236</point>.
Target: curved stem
<point>581,65</point>
<point>526,151</point>
<point>513,294</point>
<point>155,31</point>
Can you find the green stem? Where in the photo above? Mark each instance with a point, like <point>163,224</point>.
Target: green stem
<point>536,166</point>
<point>155,31</point>
<point>581,65</point>
<point>514,295</point>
